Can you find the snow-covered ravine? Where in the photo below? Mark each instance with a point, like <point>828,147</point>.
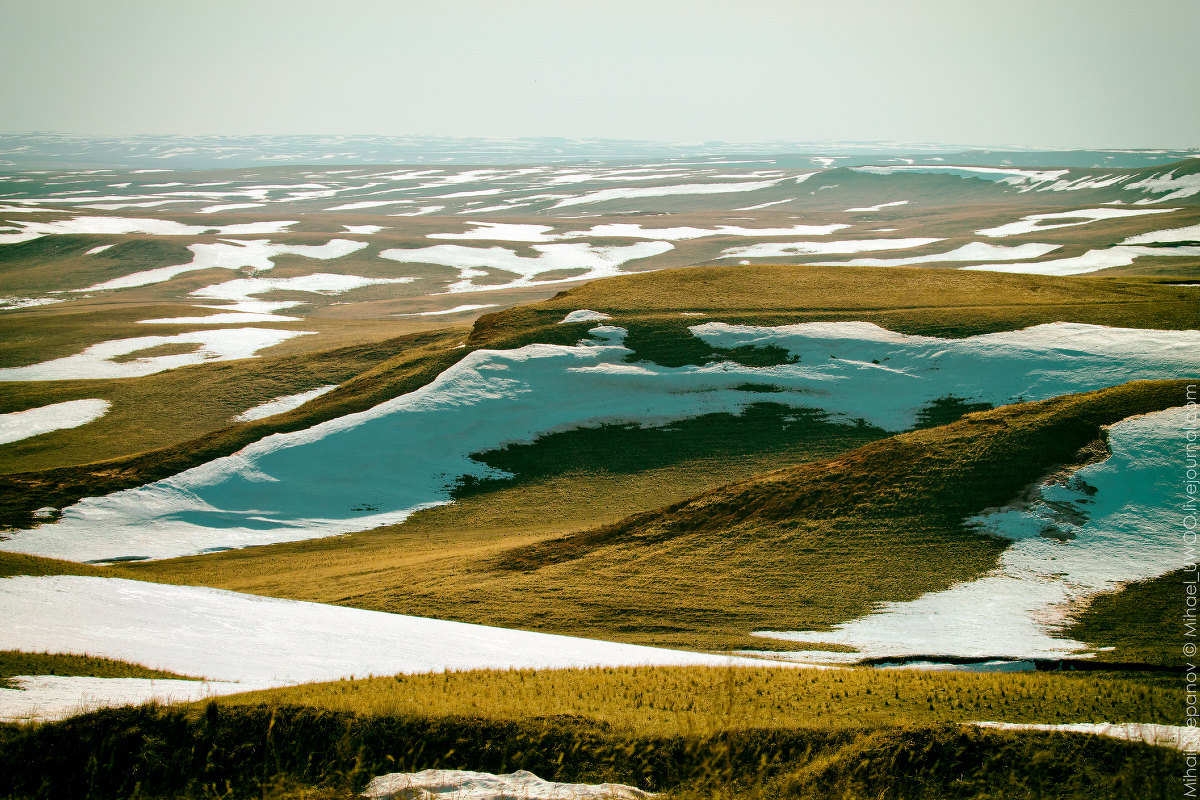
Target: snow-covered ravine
<point>241,642</point>
<point>1115,521</point>
<point>378,466</point>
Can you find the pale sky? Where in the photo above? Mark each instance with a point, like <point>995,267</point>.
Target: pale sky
<point>1057,73</point>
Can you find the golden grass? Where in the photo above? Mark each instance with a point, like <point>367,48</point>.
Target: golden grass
<point>702,701</point>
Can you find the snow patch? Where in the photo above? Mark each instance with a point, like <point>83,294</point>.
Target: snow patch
<point>457,784</point>
<point>631,193</point>
<point>59,416</point>
<point>1091,261</point>
<point>880,206</point>
<point>282,404</point>
<point>455,310</point>
<point>975,251</point>
<point>1177,737</point>
<point>1109,525</point>
<point>599,262</point>
<point>232,255</point>
<point>784,249</point>
<point>1037,222</point>
<point>43,698</point>
<point>584,315</point>
<point>1190,233</point>
<point>262,641</point>
<point>96,362</point>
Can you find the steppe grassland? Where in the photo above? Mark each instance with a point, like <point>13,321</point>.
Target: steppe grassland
<point>396,569</point>
<point>704,701</point>
<point>800,548</point>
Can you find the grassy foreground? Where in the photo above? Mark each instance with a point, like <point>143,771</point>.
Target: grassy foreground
<point>742,733</point>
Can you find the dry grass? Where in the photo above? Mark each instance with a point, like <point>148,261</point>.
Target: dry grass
<point>703,701</point>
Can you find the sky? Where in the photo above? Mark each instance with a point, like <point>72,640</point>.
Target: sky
<point>1054,73</point>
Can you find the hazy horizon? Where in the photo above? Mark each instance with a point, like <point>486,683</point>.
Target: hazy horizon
<point>1071,74</point>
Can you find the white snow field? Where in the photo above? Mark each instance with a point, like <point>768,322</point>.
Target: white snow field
<point>239,291</point>
<point>975,251</point>
<point>256,642</point>
<point>1190,233</point>
<point>504,232</point>
<point>42,698</point>
<point>446,311</point>
<point>222,344</point>
<point>1009,175</point>
<point>1039,222</point>
<point>19,425</point>
<point>584,315</point>
<point>1121,255</point>
<point>458,784</point>
<point>1177,737</point>
<point>781,249</point>
<point>1115,521</point>
<point>378,466</point>
<point>878,207</point>
<point>630,193</point>
<point>119,225</point>
<point>282,404</point>
<point>232,254</point>
<point>1177,188</point>
<point>599,262</point>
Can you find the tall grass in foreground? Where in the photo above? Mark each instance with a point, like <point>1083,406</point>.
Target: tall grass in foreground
<point>245,749</point>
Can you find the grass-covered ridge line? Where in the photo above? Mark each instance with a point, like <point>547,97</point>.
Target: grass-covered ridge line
<point>265,751</point>
<point>800,548</point>
<point>13,662</point>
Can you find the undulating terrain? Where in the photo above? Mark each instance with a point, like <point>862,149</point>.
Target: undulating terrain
<point>713,473</point>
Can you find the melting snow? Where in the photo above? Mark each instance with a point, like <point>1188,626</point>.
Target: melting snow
<point>783,249</point>
<point>1034,222</point>
<point>51,697</point>
<point>1178,188</point>
<point>121,225</point>
<point>455,310</point>
<point>1092,260</point>
<point>879,207</point>
<point>495,231</point>
<point>97,362</point>
<point>253,253</point>
<point>1177,737</point>
<point>975,251</point>
<point>630,193</point>
<point>282,404</point>
<point>262,641</point>
<point>1190,233</point>
<point>34,421</point>
<point>457,784</point>
<point>599,262</point>
<point>584,315</point>
<point>240,290</point>
<point>378,466</point>
<point>1115,521</point>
